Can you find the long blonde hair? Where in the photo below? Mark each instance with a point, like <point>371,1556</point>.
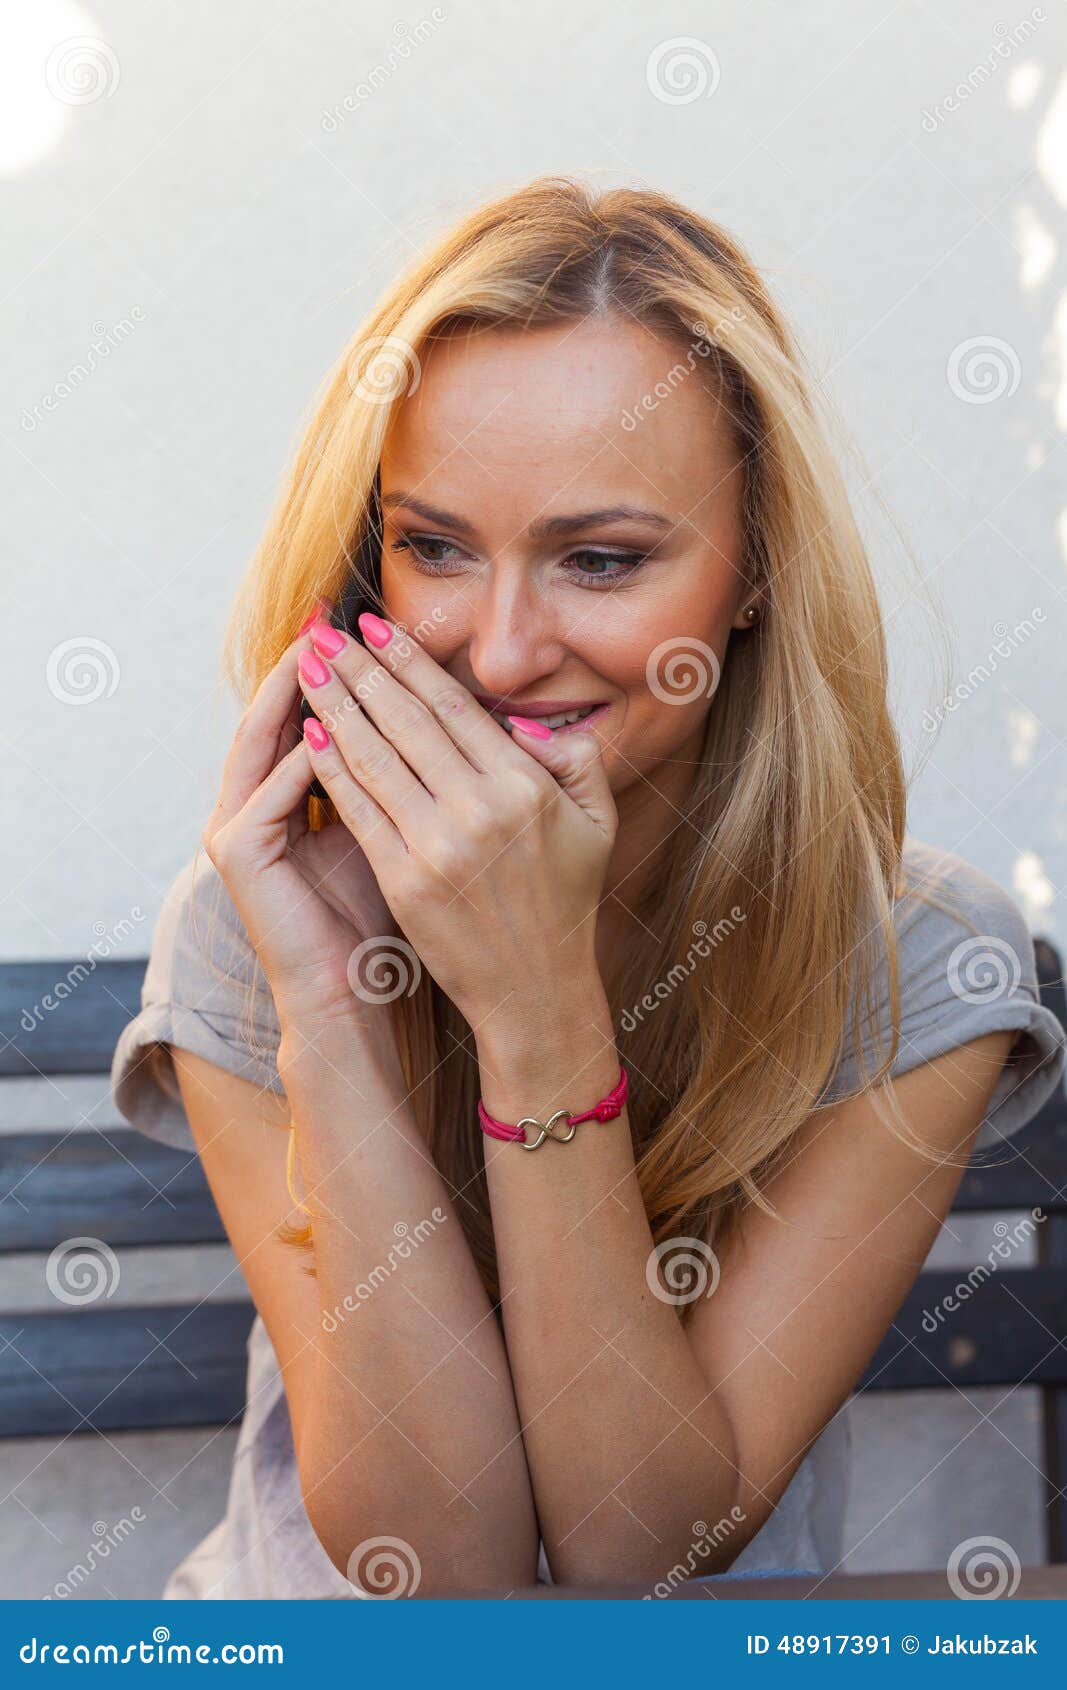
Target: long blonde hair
<point>796,820</point>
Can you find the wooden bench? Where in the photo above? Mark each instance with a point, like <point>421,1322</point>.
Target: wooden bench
<point>121,1367</point>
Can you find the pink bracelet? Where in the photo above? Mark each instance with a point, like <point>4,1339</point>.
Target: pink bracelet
<point>606,1110</point>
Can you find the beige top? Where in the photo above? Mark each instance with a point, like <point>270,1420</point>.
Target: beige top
<point>953,988</point>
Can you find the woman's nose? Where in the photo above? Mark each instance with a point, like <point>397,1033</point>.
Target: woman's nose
<point>514,635</point>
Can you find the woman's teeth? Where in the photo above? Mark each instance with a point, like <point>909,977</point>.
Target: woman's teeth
<point>549,721</point>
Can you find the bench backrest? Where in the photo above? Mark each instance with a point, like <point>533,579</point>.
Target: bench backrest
<point>88,1364</point>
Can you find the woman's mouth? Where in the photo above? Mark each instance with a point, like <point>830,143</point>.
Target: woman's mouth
<point>560,721</point>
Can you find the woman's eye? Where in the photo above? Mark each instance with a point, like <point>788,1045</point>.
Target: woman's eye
<point>417,545</point>
<point>602,562</point>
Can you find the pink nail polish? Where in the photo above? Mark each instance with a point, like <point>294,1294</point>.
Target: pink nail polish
<point>537,729</point>
<point>316,734</point>
<point>327,639</point>
<point>378,632</point>
<point>313,669</point>
<point>321,610</point>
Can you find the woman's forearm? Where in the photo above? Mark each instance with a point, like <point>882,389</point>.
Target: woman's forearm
<point>412,1430</point>
<point>628,1449</point>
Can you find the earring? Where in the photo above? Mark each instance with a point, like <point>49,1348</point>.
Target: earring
<point>752,613</point>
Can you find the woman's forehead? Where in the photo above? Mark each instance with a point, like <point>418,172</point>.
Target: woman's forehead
<point>586,411</point>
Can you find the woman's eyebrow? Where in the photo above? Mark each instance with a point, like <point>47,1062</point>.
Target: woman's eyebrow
<point>543,528</point>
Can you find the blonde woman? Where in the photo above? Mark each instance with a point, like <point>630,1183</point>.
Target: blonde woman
<point>570,466</point>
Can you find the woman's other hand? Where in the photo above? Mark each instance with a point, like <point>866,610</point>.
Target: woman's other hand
<point>308,900</point>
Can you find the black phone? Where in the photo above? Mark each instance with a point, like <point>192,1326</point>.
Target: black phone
<point>354,601</point>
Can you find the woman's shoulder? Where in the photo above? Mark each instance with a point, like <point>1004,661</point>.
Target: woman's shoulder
<point>204,991</point>
<point>933,878</point>
<point>966,967</point>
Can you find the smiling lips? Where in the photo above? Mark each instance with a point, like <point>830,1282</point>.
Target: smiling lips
<point>554,714</point>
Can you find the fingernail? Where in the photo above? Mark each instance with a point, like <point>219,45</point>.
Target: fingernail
<point>313,669</point>
<point>537,729</point>
<point>316,734</point>
<point>321,610</point>
<point>378,632</point>
<point>327,639</point>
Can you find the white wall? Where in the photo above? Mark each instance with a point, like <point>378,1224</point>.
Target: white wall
<point>200,222</point>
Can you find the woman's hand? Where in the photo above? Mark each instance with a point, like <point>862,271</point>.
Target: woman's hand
<point>490,853</point>
<point>308,900</point>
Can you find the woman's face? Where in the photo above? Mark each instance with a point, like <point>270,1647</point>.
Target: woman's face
<point>499,478</point>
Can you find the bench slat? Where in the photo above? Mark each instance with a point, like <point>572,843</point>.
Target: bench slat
<point>92,1002</point>
<point>1006,1328</point>
<point>119,1186</point>
<point>123,1369</point>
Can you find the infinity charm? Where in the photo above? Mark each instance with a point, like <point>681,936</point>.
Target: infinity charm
<point>547,1129</point>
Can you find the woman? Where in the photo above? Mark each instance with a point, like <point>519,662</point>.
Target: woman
<point>573,464</point>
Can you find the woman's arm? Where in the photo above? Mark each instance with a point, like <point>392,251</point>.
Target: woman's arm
<point>404,1421</point>
<point>637,1430</point>
<point>403,1415</point>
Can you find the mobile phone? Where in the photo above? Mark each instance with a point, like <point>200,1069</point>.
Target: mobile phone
<point>354,601</point>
